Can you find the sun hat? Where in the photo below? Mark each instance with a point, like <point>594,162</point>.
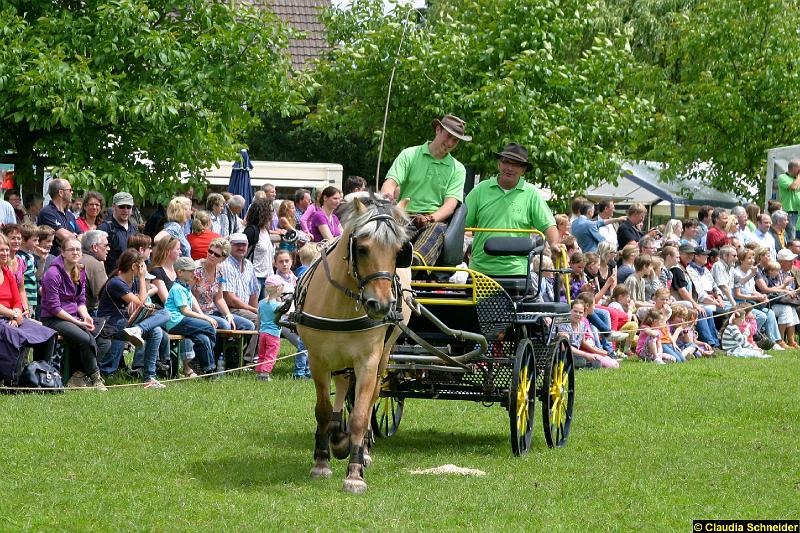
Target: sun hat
<point>274,280</point>
<point>239,238</point>
<point>515,152</point>
<point>454,126</point>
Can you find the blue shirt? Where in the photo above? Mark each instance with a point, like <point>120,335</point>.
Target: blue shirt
<point>179,296</point>
<point>586,233</point>
<point>51,216</point>
<point>266,317</point>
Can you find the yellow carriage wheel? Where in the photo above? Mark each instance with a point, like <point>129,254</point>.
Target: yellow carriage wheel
<point>522,398</point>
<point>387,411</point>
<point>558,394</point>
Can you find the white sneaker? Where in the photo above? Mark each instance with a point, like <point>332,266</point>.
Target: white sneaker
<point>154,384</point>
<point>660,362</point>
<point>764,356</point>
<point>134,336</point>
<point>778,348</point>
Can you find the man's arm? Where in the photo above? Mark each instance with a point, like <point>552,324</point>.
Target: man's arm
<point>388,187</point>
<point>234,302</point>
<point>444,212</point>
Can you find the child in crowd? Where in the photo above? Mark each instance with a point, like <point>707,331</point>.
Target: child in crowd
<point>621,300</point>
<point>687,341</point>
<point>578,331</point>
<point>649,347</point>
<point>577,279</point>
<point>546,291</point>
<point>186,318</point>
<point>269,333</point>
<point>643,270</point>
<point>735,342</point>
<point>27,250</point>
<point>750,326</point>
<point>44,258</point>
<point>307,254</point>
<point>669,337</point>
<point>283,269</point>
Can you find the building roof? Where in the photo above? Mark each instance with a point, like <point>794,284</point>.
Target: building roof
<point>303,16</point>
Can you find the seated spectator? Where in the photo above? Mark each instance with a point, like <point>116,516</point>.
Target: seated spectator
<point>12,197</point>
<point>649,347</point>
<point>187,319</point>
<point>324,224</point>
<point>688,343</point>
<point>722,272</point>
<point>683,289</point>
<point>669,258</point>
<point>13,233</point>
<point>735,343</point>
<point>215,206</point>
<point>143,244</point>
<point>762,236</point>
<point>33,205</point>
<point>770,282</point>
<point>780,219</point>
<point>607,268</point>
<point>43,257</point>
<point>125,291</point>
<point>673,231</point>
<point>546,284</point>
<point>354,184</point>
<point>95,253</point>
<point>600,319</point>
<point>201,235</point>
<point>626,268</point>
<point>27,252</point>
<point>91,215</point>
<point>570,246</point>
<point>741,230</point>
<point>207,288</point>
<point>586,230</point>
<point>580,338</point>
<point>643,268</point>
<point>708,294</point>
<point>64,310</point>
<point>753,210</point>
<point>744,290</point>
<point>166,252</point>
<point>179,211</point>
<point>621,301</point>
<point>593,277</point>
<point>563,226</point>
<point>17,332</point>
<point>691,231</point>
<point>309,254</point>
<point>717,235</point>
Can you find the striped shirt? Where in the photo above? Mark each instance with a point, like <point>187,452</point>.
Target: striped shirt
<point>242,284</point>
<point>733,338</point>
<point>29,278</point>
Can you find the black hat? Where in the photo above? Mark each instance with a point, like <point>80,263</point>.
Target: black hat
<point>700,251</point>
<point>515,152</point>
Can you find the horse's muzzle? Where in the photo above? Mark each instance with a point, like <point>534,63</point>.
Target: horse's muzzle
<point>376,309</point>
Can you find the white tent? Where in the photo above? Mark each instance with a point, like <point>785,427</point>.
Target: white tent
<point>641,182</point>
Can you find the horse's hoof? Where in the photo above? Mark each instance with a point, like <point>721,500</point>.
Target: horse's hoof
<point>367,459</point>
<point>354,486</point>
<point>321,472</point>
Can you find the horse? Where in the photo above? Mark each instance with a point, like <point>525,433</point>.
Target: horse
<point>347,310</point>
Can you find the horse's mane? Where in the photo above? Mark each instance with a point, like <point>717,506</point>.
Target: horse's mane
<point>392,232</point>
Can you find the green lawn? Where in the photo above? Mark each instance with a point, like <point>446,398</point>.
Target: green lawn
<point>652,448</point>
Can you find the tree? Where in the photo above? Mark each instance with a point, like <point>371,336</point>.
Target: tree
<point>536,72</point>
<point>129,94</point>
<point>724,78</point>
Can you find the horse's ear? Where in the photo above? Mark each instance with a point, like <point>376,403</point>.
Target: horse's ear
<point>358,205</point>
<point>403,204</point>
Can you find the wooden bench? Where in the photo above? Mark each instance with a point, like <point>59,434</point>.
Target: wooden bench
<point>237,337</point>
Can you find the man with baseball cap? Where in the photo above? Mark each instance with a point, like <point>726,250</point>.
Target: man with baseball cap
<point>240,287</point>
<point>119,227</point>
<point>683,289</point>
<point>507,201</point>
<point>433,181</point>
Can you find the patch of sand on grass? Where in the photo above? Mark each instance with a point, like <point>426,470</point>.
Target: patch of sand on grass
<point>449,469</point>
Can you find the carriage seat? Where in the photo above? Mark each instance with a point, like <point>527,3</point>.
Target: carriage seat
<point>452,252</point>
<point>554,308</point>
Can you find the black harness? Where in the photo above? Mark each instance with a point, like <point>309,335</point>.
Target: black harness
<point>363,322</point>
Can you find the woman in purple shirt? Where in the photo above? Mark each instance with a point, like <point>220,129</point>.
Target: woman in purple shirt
<point>324,224</point>
<point>63,309</point>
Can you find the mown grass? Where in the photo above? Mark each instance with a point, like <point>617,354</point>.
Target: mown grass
<point>652,448</point>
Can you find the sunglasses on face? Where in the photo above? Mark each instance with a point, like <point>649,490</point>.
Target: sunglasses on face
<point>215,254</point>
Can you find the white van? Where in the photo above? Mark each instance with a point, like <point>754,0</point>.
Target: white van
<point>286,176</point>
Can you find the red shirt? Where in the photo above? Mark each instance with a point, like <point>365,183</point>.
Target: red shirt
<point>199,243</point>
<point>9,291</point>
<point>716,238</point>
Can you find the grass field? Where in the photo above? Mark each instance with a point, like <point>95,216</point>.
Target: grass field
<point>651,448</point>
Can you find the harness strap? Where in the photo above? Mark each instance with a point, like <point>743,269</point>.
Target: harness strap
<point>361,323</point>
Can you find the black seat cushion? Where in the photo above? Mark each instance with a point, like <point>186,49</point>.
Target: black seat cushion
<point>556,308</point>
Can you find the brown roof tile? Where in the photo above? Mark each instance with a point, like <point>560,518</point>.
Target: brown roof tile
<point>302,15</point>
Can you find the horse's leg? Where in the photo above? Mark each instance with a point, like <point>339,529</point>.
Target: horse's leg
<point>366,376</point>
<point>340,442</point>
<point>322,411</point>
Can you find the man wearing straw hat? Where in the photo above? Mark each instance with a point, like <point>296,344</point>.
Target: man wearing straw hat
<point>508,201</point>
<point>433,181</point>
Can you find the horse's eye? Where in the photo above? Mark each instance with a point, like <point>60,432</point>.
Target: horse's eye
<point>363,251</point>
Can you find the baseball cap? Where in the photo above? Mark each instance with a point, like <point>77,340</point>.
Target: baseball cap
<point>122,198</point>
<point>700,251</point>
<point>185,263</point>
<point>687,249</point>
<point>274,280</point>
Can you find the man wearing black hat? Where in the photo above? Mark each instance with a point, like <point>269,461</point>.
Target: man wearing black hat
<point>507,201</point>
<point>433,181</point>
<point>683,289</point>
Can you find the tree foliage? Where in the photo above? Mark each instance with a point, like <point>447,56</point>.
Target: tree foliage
<point>128,94</point>
<point>723,76</point>
<point>538,72</point>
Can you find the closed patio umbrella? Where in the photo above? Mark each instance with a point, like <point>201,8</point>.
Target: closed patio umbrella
<point>240,180</point>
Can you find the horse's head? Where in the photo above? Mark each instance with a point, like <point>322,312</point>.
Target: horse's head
<point>377,231</point>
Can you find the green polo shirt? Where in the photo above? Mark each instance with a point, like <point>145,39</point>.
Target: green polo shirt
<point>790,200</point>
<point>489,206</point>
<point>427,181</point>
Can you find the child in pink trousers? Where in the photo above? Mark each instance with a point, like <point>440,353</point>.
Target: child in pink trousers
<point>269,333</point>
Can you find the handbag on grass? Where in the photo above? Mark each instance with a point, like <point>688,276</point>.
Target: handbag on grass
<point>41,375</point>
<point>138,312</point>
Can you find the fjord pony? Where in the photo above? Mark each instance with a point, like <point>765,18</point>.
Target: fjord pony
<point>347,322</point>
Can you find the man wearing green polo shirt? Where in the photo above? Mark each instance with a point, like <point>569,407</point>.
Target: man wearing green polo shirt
<point>789,195</point>
<point>507,201</point>
<point>433,181</point>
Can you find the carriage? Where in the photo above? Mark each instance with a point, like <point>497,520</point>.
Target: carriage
<point>486,340</point>
<point>367,324</point>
